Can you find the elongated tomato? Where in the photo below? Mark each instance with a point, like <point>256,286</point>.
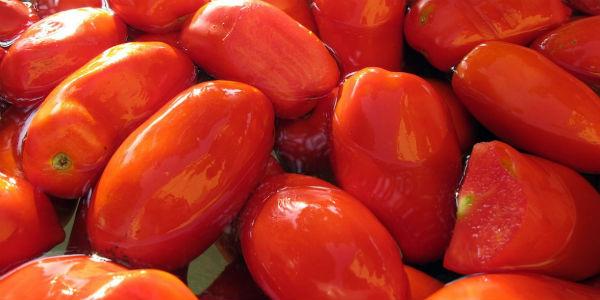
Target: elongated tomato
<point>52,49</point>
<point>514,287</point>
<point>175,182</point>
<point>156,16</point>
<point>81,123</point>
<point>519,212</point>
<point>421,284</point>
<point>256,43</point>
<point>16,17</point>
<point>49,7</point>
<point>82,277</point>
<point>171,38</point>
<point>576,48</point>
<point>362,33</point>
<point>297,9</point>
<point>330,238</point>
<point>28,223</point>
<point>591,7</point>
<point>394,148</point>
<point>541,108</point>
<point>445,31</point>
<point>11,126</point>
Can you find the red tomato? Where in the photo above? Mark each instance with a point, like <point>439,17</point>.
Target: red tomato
<point>235,283</point>
<point>519,212</point>
<point>175,182</point>
<point>305,239</point>
<point>297,9</point>
<point>79,242</point>
<point>11,125</point>
<point>445,31</point>
<point>49,7</point>
<point>576,48</point>
<point>394,148</point>
<point>82,122</point>
<point>541,108</point>
<point>16,17</point>
<point>256,43</point>
<point>28,223</point>
<point>82,277</point>
<point>52,49</point>
<point>514,287</point>
<point>157,16</point>
<point>2,54</point>
<point>303,144</point>
<point>171,38</point>
<point>595,282</point>
<point>591,7</point>
<point>421,284</point>
<point>362,33</point>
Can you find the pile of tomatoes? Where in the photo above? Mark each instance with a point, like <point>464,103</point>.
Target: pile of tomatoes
<point>356,149</point>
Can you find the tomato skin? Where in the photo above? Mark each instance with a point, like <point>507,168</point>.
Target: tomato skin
<point>362,33</point>
<point>327,234</point>
<point>561,124</point>
<point>171,38</point>
<point>235,283</point>
<point>52,49</point>
<point>514,287</point>
<point>137,79</point>
<point>445,31</point>
<point>16,17</point>
<point>405,157</point>
<point>576,48</point>
<point>142,211</point>
<point>523,213</point>
<point>49,7</point>
<point>155,16</point>
<point>591,7</point>
<point>258,44</point>
<point>11,125</point>
<point>28,223</point>
<point>421,284</point>
<point>82,277</point>
<point>299,10</point>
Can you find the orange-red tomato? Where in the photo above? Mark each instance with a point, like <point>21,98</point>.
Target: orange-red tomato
<point>576,48</point>
<point>11,125</point>
<point>82,122</point>
<point>421,284</point>
<point>171,38</point>
<point>235,283</point>
<point>52,49</point>
<point>305,239</point>
<point>540,108</point>
<point>297,9</point>
<point>2,54</point>
<point>514,287</point>
<point>258,44</point>
<point>16,17</point>
<point>49,7</point>
<point>591,7</point>
<point>362,33</point>
<point>156,16</point>
<point>519,212</point>
<point>445,31</point>
<point>395,149</point>
<point>181,177</point>
<point>28,223</point>
<point>82,277</point>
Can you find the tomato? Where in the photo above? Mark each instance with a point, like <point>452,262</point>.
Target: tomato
<point>362,33</point>
<point>297,9</point>
<point>303,144</point>
<point>305,239</point>
<point>514,287</point>
<point>49,7</point>
<point>16,17</point>
<point>52,49</point>
<point>576,48</point>
<point>394,148</point>
<point>82,277</point>
<point>2,54</point>
<point>156,16</point>
<point>28,223</point>
<point>171,38</point>
<point>175,182</point>
<point>258,44</point>
<point>235,283</point>
<point>82,122</point>
<point>421,284</point>
<point>79,242</point>
<point>445,31</point>
<point>541,108</point>
<point>519,212</point>
<point>11,125</point>
<point>591,7</point>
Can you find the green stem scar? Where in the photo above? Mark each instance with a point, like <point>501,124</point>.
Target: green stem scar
<point>61,162</point>
<point>464,205</point>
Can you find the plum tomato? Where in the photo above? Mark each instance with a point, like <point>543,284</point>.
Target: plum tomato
<point>49,7</point>
<point>170,38</point>
<point>155,16</point>
<point>299,10</point>
<point>11,131</point>
<point>421,284</point>
<point>16,17</point>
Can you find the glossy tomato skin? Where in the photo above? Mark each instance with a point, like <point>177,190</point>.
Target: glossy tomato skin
<point>445,31</point>
<point>362,33</point>
<point>82,277</point>
<point>394,148</point>
<point>541,109</point>
<point>329,236</point>
<point>523,213</point>
<point>16,17</point>
<point>11,126</point>
<point>297,9</point>
<point>576,48</point>
<point>591,7</point>
<point>155,16</point>
<point>82,122</point>
<point>48,7</point>
<point>235,283</point>
<point>181,177</point>
<point>28,223</point>
<point>258,44</point>
<point>170,38</point>
<point>52,49</point>
<point>421,284</point>
<point>514,287</point>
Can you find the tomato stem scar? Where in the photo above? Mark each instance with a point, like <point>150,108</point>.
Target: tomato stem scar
<point>61,162</point>
<point>464,205</point>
